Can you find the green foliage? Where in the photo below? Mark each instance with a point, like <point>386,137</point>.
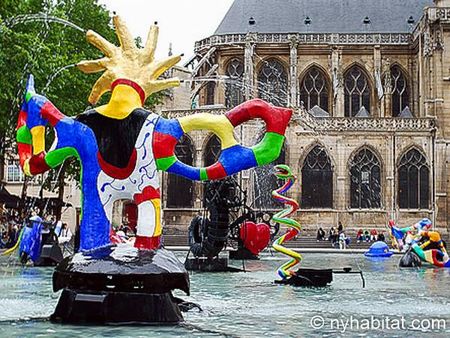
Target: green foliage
<point>42,48</point>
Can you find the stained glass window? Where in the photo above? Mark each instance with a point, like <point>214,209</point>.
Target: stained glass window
<point>365,180</point>
<point>264,182</point>
<point>228,187</point>
<point>357,91</point>
<point>210,89</point>
<point>234,91</point>
<point>314,89</point>
<point>272,82</point>
<point>317,180</point>
<point>212,151</point>
<point>180,189</point>
<point>413,181</point>
<point>400,96</point>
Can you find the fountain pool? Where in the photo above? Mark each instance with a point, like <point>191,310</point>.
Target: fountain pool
<point>250,305</point>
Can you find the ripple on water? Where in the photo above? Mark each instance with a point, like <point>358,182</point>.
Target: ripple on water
<point>248,304</point>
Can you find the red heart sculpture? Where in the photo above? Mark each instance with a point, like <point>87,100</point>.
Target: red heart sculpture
<point>255,236</point>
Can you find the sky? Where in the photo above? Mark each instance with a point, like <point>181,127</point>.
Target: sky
<point>181,22</point>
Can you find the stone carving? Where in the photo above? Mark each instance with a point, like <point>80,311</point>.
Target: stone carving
<point>325,124</point>
<point>309,38</point>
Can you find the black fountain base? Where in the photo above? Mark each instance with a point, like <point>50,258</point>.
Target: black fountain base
<point>51,255</point>
<point>410,260</point>
<point>120,285</point>
<point>309,278</point>
<point>209,264</point>
<point>242,254</point>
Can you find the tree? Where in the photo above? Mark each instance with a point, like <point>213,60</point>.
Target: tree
<point>43,48</point>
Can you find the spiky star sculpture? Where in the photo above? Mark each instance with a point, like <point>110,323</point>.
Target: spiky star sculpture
<point>128,62</point>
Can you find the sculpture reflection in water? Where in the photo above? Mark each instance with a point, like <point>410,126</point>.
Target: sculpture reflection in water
<point>121,146</point>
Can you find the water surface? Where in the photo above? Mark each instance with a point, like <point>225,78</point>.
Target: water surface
<point>249,304</point>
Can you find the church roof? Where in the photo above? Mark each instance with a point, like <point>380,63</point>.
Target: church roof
<point>322,16</point>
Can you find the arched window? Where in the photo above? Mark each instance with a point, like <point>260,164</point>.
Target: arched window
<point>211,188</point>
<point>317,180</point>
<point>212,151</point>
<point>210,89</point>
<point>400,94</point>
<point>365,180</point>
<point>180,189</point>
<point>314,89</point>
<point>264,182</point>
<point>234,87</point>
<point>272,83</point>
<point>357,91</point>
<point>413,181</point>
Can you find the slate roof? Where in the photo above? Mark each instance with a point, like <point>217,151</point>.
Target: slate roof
<point>326,16</point>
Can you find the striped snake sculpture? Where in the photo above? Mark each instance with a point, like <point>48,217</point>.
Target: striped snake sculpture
<point>283,172</point>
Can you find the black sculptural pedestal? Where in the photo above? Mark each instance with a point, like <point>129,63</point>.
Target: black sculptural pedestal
<point>309,278</point>
<point>119,284</point>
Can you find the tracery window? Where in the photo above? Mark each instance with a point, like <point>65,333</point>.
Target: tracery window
<point>314,89</point>
<point>210,90</point>
<point>413,181</point>
<point>234,91</point>
<point>272,83</point>
<point>357,91</point>
<point>400,94</point>
<point>317,180</point>
<point>180,189</point>
<point>365,180</point>
<point>228,186</point>
<point>264,182</point>
<point>212,150</point>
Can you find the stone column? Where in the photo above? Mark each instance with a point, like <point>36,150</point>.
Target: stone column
<point>338,82</point>
<point>249,86</point>
<point>293,66</point>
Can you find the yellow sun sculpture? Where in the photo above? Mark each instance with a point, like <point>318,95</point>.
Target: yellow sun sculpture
<point>128,62</point>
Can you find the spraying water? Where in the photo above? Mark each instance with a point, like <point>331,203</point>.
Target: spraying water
<point>40,17</point>
<point>54,75</point>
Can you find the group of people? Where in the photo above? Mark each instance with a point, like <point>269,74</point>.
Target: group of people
<point>370,236</point>
<point>338,237</point>
<point>10,229</point>
<point>12,223</point>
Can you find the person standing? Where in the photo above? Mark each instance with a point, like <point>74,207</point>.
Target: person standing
<point>342,241</point>
<point>340,227</point>
<point>65,235</point>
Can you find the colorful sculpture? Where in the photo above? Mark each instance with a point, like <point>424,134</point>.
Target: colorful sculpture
<point>255,237</point>
<point>379,250</point>
<point>120,147</point>
<point>284,172</point>
<point>418,239</point>
<point>38,243</point>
